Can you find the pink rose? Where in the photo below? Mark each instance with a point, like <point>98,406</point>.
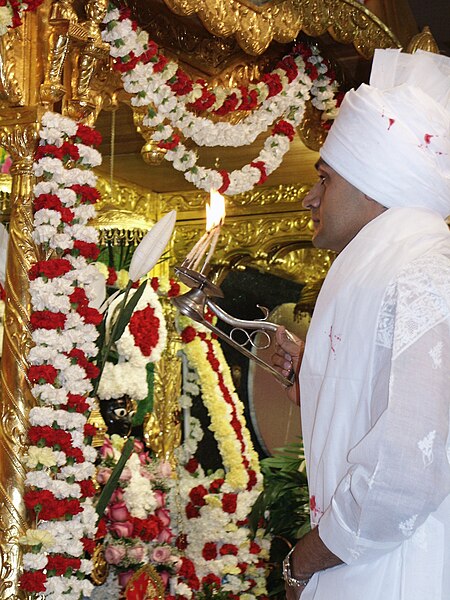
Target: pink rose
<point>165,536</point>
<point>161,554</point>
<point>106,451</point>
<point>117,496</point>
<point>114,554</point>
<point>118,512</point>
<point>165,575</point>
<point>138,446</point>
<point>160,498</point>
<point>164,516</point>
<point>122,528</point>
<point>103,474</point>
<point>124,578</point>
<point>125,475</point>
<point>165,469</point>
<point>137,554</point>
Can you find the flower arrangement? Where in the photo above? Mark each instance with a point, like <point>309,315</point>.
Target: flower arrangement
<point>60,459</point>
<point>142,342</point>
<point>11,12</point>
<point>172,100</point>
<point>137,521</point>
<point>220,553</point>
<point>221,558</point>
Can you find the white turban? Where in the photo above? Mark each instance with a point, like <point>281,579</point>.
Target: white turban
<point>391,139</point>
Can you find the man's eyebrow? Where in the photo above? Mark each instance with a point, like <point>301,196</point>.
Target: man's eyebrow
<point>319,164</point>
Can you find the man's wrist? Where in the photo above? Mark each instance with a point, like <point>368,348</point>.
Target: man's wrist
<point>291,579</point>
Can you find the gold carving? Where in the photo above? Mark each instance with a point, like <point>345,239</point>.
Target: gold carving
<point>96,419</point>
<point>150,152</point>
<point>10,92</point>
<point>93,50</point>
<point>100,568</point>
<point>423,41</point>
<point>60,18</point>
<point>20,141</point>
<point>348,21</point>
<point>310,130</point>
<point>162,430</point>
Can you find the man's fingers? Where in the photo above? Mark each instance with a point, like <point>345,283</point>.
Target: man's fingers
<point>288,342</point>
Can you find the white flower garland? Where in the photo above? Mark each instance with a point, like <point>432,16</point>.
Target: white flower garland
<point>61,228</point>
<point>150,88</point>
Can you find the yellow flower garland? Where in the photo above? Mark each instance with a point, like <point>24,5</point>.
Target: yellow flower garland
<point>220,413</point>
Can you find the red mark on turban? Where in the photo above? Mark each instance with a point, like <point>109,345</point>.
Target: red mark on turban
<point>427,137</point>
<point>391,122</point>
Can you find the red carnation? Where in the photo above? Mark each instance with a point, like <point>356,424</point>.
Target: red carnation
<point>112,276</point>
<point>45,319</point>
<point>86,249</point>
<point>209,551</point>
<point>88,545</point>
<point>90,315</point>
<point>147,529</point>
<point>216,485</point>
<point>42,374</point>
<point>33,581</point>
<point>192,465</point>
<point>144,327</point>
<point>229,549</point>
<point>86,193</point>
<point>284,128</point>
<point>87,488</point>
<point>192,511</point>
<point>34,500</point>
<point>78,296</point>
<point>151,51</point>
<point>273,82</point>
<point>60,564</point>
<point>55,267</point>
<point>197,495</point>
<point>160,65</point>
<point>225,182</point>
<point>212,580</point>
<point>88,136</point>
<point>229,503</point>
<point>262,169</point>
<point>49,201</point>
<point>254,548</point>
<point>154,282</point>
<point>170,143</point>
<point>174,289</point>
<point>188,334</point>
<point>182,84</point>
<point>77,402</point>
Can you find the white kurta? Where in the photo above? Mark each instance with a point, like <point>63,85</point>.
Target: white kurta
<point>375,394</point>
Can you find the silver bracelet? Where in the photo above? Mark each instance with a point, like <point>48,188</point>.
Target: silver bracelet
<point>287,575</point>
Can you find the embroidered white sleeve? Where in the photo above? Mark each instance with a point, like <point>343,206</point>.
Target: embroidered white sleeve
<point>399,472</point>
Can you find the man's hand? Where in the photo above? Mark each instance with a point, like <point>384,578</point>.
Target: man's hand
<point>287,358</point>
<point>293,593</point>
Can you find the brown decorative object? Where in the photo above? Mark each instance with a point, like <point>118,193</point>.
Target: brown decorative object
<point>100,568</point>
<point>423,41</point>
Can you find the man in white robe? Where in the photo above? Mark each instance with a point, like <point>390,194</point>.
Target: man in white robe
<point>375,373</point>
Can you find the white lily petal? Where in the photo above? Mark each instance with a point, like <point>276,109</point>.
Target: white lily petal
<point>152,246</point>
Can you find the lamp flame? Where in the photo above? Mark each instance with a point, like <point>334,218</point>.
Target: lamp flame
<point>215,210</point>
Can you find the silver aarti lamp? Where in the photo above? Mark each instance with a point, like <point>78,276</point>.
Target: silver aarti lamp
<point>199,298</point>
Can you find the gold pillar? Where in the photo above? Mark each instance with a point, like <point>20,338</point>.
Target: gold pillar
<point>18,134</point>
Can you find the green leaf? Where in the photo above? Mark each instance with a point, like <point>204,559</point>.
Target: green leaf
<point>145,406</point>
<point>125,314</point>
<point>111,484</point>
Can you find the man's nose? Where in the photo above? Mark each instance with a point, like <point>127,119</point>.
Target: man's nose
<point>313,197</point>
